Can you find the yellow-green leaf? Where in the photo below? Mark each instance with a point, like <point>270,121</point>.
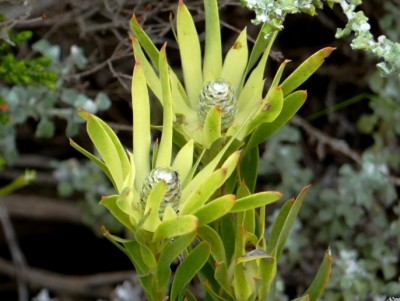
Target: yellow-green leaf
<point>213,50</point>
<point>305,70</point>
<point>165,148</point>
<point>256,200</point>
<point>215,209</point>
<point>212,127</point>
<point>236,61</point>
<point>141,125</point>
<point>190,52</point>
<point>321,279</point>
<point>109,147</point>
<point>153,202</point>
<point>176,227</point>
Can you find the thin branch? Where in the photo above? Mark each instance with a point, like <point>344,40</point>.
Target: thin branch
<point>16,253</point>
<point>94,286</point>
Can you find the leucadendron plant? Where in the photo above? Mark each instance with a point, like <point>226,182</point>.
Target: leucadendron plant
<point>163,198</point>
<point>190,199</point>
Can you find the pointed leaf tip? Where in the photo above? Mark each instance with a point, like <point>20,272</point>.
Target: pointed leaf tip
<point>329,50</point>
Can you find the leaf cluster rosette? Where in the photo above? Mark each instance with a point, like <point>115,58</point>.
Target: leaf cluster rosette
<point>255,114</point>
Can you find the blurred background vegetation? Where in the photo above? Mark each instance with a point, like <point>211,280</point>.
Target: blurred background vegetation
<point>57,56</point>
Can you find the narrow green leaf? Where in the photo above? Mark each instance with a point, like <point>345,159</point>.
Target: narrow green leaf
<point>184,160</point>
<point>268,271</point>
<point>169,254</point>
<point>241,285</point>
<point>152,206</point>
<point>133,249</point>
<point>110,202</point>
<point>284,223</point>
<point>321,279</point>
<point>151,77</point>
<point>249,168</point>
<point>252,90</point>
<point>291,104</point>
<point>278,74</point>
<point>145,41</point>
<point>188,269</point>
<point>212,127</point>
<point>263,43</point>
<point>213,49</point>
<point>141,125</point>
<point>270,108</point>
<point>190,52</point>
<point>256,200</point>
<point>165,148</point>
<point>305,70</point>
<point>109,147</point>
<point>175,227</point>
<point>215,209</point>
<point>206,233</point>
<point>235,61</point>
<point>194,199</point>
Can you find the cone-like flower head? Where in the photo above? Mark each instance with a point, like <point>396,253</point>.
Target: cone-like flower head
<point>221,95</point>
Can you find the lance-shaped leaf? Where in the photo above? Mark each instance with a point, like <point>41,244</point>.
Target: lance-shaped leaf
<point>169,254</point>
<point>126,202</point>
<point>213,50</point>
<point>212,127</point>
<point>321,279</point>
<point>188,269</point>
<point>283,223</point>
<point>206,233</point>
<point>278,74</point>
<point>269,110</point>
<point>151,77</point>
<point>190,52</point>
<point>109,148</point>
<point>220,271</point>
<point>291,104</point>
<point>184,160</point>
<point>264,41</point>
<point>194,199</point>
<point>133,250</point>
<point>253,87</point>
<point>241,285</point>
<point>110,202</point>
<point>215,209</point>
<point>145,41</point>
<point>153,202</point>
<point>268,269</point>
<point>305,70</point>
<point>165,148</point>
<point>181,225</point>
<point>141,125</point>
<point>256,200</point>
<point>236,61</point>
<point>147,255</point>
<point>248,165</point>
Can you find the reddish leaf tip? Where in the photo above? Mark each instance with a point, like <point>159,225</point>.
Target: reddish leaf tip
<point>134,19</point>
